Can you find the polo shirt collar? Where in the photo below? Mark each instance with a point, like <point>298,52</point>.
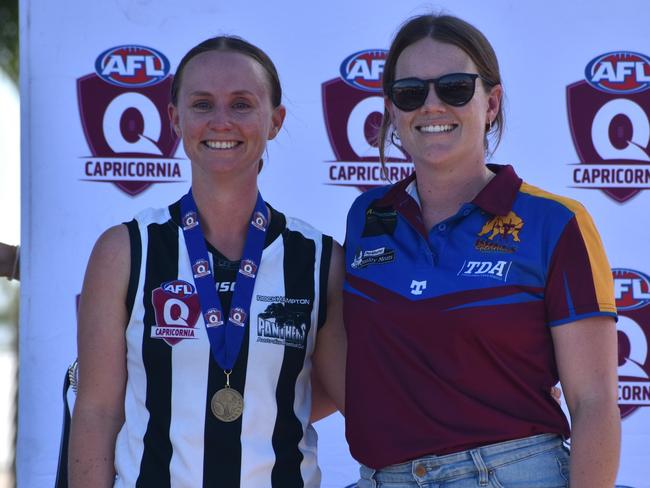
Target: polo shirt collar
<point>497,198</point>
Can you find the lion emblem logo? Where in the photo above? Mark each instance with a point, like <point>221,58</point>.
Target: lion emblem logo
<point>500,226</point>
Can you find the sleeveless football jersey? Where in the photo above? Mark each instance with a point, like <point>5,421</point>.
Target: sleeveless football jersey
<point>170,437</point>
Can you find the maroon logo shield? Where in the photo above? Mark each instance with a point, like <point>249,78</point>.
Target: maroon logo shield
<point>176,315</point>
<point>353,110</point>
<point>632,289</point>
<point>609,118</point>
<point>126,124</point>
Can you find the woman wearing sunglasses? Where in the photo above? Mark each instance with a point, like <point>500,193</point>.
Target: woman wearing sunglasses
<point>469,293</point>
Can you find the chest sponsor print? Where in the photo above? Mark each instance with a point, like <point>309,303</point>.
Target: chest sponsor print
<point>500,234</point>
<point>497,270</point>
<point>177,311</point>
<point>381,255</point>
<point>284,323</point>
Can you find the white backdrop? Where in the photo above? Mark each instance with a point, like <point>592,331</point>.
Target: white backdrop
<point>543,47</point>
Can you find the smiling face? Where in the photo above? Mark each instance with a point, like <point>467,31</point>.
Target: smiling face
<point>436,133</point>
<point>224,113</point>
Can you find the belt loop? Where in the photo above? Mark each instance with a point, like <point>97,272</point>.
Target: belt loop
<point>372,478</point>
<point>480,466</point>
<point>369,475</point>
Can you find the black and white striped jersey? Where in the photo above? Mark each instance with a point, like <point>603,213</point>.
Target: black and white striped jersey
<point>170,437</point>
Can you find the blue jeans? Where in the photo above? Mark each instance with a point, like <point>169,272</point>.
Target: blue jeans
<point>539,461</point>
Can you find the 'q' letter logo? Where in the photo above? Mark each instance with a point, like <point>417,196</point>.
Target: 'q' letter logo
<point>123,108</point>
<point>176,309</point>
<point>609,117</point>
<point>353,107</point>
<point>632,291</point>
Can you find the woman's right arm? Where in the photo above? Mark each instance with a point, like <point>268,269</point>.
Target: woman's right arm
<point>99,407</point>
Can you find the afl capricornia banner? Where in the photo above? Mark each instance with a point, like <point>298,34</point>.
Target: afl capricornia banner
<point>97,147</point>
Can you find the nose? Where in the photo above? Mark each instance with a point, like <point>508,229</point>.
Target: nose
<point>432,103</point>
<point>220,119</point>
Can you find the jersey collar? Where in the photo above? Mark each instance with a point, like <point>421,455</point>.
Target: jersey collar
<point>276,226</point>
<point>496,198</point>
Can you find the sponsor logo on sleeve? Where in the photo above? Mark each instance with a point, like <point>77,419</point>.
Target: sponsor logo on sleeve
<point>353,107</point>
<point>609,117</point>
<point>176,310</point>
<point>632,292</point>
<point>123,110</point>
<point>500,234</point>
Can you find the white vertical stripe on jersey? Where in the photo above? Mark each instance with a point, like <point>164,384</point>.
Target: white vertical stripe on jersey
<point>188,394</point>
<point>262,373</point>
<point>129,445</point>
<point>302,406</point>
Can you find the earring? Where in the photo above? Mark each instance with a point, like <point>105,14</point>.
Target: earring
<point>394,137</point>
<point>488,126</point>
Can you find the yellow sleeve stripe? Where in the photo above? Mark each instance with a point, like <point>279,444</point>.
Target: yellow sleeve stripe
<point>600,269</point>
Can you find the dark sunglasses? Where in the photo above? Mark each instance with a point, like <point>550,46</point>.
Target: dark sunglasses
<point>455,89</point>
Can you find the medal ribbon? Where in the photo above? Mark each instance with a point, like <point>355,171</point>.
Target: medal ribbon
<point>226,336</point>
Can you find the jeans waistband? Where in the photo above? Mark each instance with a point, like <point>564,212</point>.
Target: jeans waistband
<point>492,455</point>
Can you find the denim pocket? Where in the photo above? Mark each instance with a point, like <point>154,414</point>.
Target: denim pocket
<point>563,457</point>
<point>548,469</point>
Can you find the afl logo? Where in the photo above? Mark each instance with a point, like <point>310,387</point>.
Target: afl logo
<point>201,268</point>
<point>178,288</point>
<point>190,219</point>
<point>132,66</point>
<point>213,318</point>
<point>248,268</point>
<point>632,289</point>
<point>259,220</point>
<point>364,69</point>
<point>238,316</point>
<point>619,72</point>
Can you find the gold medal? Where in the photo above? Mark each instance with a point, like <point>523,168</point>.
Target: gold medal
<point>227,404</point>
